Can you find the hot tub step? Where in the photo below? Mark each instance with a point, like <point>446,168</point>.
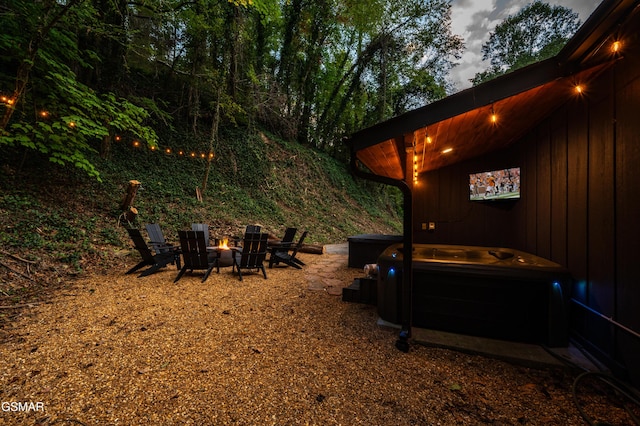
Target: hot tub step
<point>361,290</point>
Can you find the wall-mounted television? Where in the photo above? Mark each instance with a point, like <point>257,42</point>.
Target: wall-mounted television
<point>501,184</point>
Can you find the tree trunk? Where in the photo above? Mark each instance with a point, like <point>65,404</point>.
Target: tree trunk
<point>105,146</point>
<point>132,190</point>
<point>212,140</point>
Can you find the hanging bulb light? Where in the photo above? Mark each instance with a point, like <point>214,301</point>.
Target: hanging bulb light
<point>427,138</point>
<point>415,164</point>
<point>616,46</point>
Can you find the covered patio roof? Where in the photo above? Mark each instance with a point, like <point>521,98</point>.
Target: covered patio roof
<point>497,113</point>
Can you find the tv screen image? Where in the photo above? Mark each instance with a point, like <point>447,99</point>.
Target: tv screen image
<point>503,184</point>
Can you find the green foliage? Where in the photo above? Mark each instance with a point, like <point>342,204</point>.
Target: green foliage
<point>535,33</point>
<point>56,114</point>
<point>75,117</point>
<point>197,76</point>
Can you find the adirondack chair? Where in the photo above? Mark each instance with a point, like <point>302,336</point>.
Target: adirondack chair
<point>195,256</point>
<point>250,229</point>
<point>155,262</point>
<point>288,256</point>
<point>253,254</point>
<point>204,227</point>
<point>157,240</point>
<point>285,244</point>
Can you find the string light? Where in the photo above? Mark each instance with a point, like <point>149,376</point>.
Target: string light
<point>615,46</point>
<point>415,164</point>
<point>579,89</point>
<point>424,146</point>
<point>169,151</point>
<point>494,117</point>
<point>447,150</point>
<point>118,138</point>
<point>427,138</point>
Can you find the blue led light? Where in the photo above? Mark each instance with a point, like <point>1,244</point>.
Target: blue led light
<point>580,290</point>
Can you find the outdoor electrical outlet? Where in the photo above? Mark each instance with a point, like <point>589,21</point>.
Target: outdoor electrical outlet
<point>424,226</point>
<point>432,226</point>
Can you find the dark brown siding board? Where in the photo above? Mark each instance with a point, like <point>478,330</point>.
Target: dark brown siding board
<point>559,187</point>
<point>518,218</point>
<point>628,203</point>
<point>420,208</point>
<point>528,192</point>
<point>459,204</point>
<point>426,206</point>
<point>445,204</point>
<point>601,208</point>
<point>543,193</point>
<point>577,137</point>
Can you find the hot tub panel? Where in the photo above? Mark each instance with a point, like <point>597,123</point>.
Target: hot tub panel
<point>469,290</point>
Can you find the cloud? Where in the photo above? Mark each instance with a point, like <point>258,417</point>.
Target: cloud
<point>474,20</point>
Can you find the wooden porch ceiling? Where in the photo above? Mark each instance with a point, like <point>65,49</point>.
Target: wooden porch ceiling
<point>473,132</point>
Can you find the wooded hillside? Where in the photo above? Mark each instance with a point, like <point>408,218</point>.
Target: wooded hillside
<point>80,75</point>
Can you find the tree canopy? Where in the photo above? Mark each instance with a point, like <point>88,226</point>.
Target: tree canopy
<point>76,74</point>
<point>535,33</point>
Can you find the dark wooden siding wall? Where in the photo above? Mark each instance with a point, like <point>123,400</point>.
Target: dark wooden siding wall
<point>580,206</point>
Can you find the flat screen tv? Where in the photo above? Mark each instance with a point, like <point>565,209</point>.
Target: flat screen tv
<point>503,184</point>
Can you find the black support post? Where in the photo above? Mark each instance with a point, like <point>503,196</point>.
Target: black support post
<point>407,265</point>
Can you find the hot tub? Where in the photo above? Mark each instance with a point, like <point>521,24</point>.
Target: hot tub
<point>365,248</point>
<point>482,291</point>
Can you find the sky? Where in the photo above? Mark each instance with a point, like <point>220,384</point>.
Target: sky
<point>474,20</point>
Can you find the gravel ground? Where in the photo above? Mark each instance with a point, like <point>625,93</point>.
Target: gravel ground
<point>118,350</point>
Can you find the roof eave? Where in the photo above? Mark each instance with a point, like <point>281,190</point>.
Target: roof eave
<point>484,94</point>
<point>568,61</point>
